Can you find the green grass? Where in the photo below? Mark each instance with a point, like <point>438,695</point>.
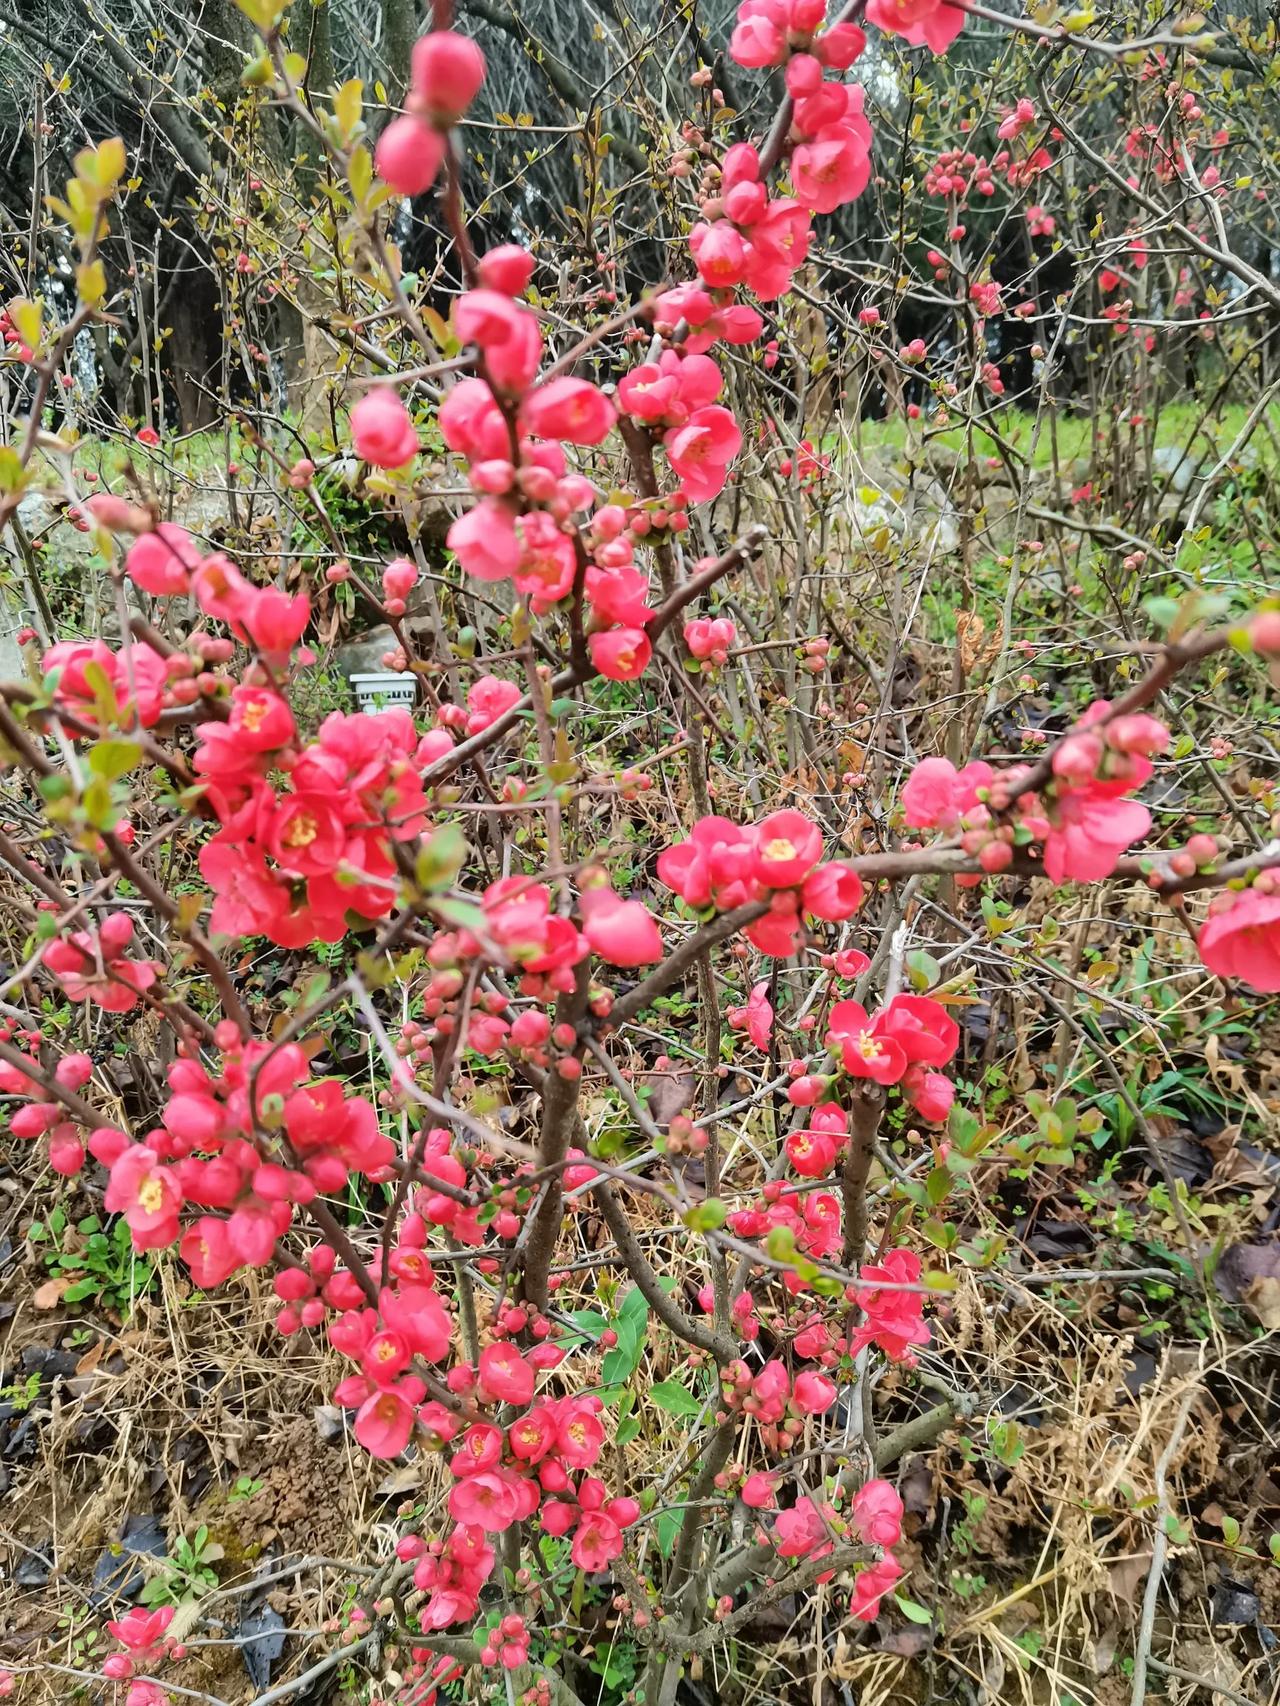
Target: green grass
<point>1177,424</point>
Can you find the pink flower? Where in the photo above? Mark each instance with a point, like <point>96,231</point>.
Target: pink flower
<point>895,1319</point>
<point>618,596</point>
<point>812,1394</point>
<point>95,967</point>
<point>136,675</point>
<point>838,46</point>
<point>579,1435</point>
<point>877,1514</point>
<point>831,170</point>
<point>399,578</point>
<point>141,1631</point>
<point>160,562</point>
<point>930,1093</point>
<point>479,1451</point>
<point>757,42</point>
<point>788,846</point>
<point>623,932</point>
<point>701,451</point>
<point>922,1028</point>
<point>1140,733</point>
<point>486,542</point>
<point>144,1693</point>
<point>596,1543</point>
<point>408,156</point>
<point>382,431</point>
<point>534,1435</point>
<point>487,700</point>
<point>507,268</point>
<point>206,1250</point>
<point>570,409</point>
<point>936,794</point>
<point>621,654</point>
<point>779,933</point>
<point>870,1585</point>
<point>812,1153</point>
<point>801,1531</point>
<point>505,1375</point>
<point>1090,829</point>
<point>708,638</point>
<point>1241,939</point>
<point>759,1491</point>
<point>756,1018</point>
<point>447,71</point>
<point>547,564</point>
<point>928,23</point>
<point>1017,119</point>
<point>148,1196</point>
<point>488,1501</point>
<point>832,892</point>
<point>471,422</point>
<point>863,1045</point>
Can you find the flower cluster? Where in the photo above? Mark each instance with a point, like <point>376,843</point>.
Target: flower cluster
<point>905,1039</point>
<point>141,1634</point>
<point>291,864</point>
<point>1081,816</point>
<point>778,861</point>
<point>94,965</point>
<point>503,1474</point>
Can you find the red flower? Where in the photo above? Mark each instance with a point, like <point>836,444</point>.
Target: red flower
<point>622,654</point>
<point>1241,939</point>
<point>788,846</point>
<point>864,1047</point>
<point>870,1586</point>
<point>1090,829</point>
<point>877,1513</point>
<point>573,410</point>
<point>895,1319</point>
<point>505,1376</point>
<point>384,1423</point>
<point>922,1028</point>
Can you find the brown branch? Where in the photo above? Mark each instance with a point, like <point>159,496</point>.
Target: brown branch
<point>866,1110</point>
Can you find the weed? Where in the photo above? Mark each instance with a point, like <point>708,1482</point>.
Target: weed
<point>187,1574</point>
<point>99,1259</point>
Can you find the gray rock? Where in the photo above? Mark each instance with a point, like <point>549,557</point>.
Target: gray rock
<point>362,653</point>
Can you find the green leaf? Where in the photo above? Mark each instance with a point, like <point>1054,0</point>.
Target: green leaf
<point>346,105</point>
<point>112,759</point>
<point>668,1527</point>
<point>707,1216</point>
<point>628,1430</point>
<point>923,971</point>
<point>937,1187</point>
<point>911,1610</point>
<point>459,912</point>
<point>588,1324</point>
<point>360,172</point>
<point>441,858</point>
<point>675,1399</point>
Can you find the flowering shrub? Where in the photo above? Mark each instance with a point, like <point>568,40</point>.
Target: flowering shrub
<point>587,498</point>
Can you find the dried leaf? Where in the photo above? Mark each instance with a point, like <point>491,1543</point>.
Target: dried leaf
<point>49,1295</point>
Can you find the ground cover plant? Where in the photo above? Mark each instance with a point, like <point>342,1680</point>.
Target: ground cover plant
<point>639,855</point>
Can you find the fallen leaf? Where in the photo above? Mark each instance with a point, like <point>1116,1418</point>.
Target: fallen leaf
<point>49,1295</point>
<point>1127,1576</point>
<point>1263,1297</point>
